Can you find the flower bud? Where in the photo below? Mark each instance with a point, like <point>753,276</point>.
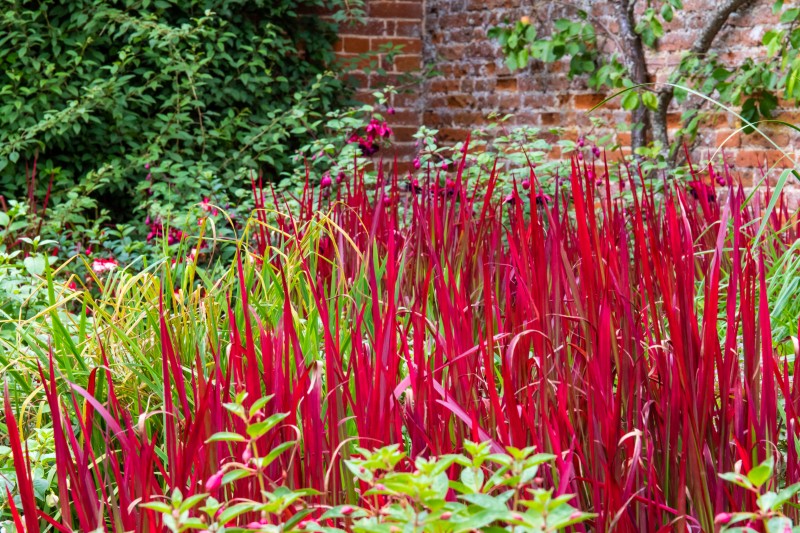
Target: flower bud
<point>214,482</point>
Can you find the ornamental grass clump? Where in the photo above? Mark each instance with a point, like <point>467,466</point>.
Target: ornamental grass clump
<point>626,336</point>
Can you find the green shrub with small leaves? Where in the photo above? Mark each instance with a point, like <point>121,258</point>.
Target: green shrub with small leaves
<point>146,106</point>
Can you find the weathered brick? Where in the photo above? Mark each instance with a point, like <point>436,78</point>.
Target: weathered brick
<point>408,46</point>
<point>451,35</point>
<point>587,101</point>
<point>355,45</point>
<point>397,10</point>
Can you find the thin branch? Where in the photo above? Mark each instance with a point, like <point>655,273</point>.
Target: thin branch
<point>701,46</point>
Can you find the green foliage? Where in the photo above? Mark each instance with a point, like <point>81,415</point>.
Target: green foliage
<point>494,492</point>
<point>154,104</point>
<point>770,501</point>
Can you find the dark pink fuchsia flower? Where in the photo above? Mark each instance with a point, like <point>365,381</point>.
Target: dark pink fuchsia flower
<point>206,206</point>
<point>596,151</point>
<point>325,181</point>
<point>526,184</point>
<point>417,163</point>
<point>542,198</point>
<point>214,482</point>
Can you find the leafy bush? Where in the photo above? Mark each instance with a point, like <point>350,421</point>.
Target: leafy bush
<point>147,106</point>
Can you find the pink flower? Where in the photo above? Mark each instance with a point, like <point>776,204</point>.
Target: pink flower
<point>214,482</point>
<point>104,265</point>
<point>340,177</point>
<point>542,198</point>
<point>347,510</point>
<point>526,184</point>
<point>325,181</point>
<point>373,127</point>
<point>580,142</point>
<point>444,165</point>
<point>390,111</point>
<point>206,206</point>
<point>509,199</point>
<point>596,151</point>
<point>147,166</point>
<point>417,163</point>
<point>723,518</point>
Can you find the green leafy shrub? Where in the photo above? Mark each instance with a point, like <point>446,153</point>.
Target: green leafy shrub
<point>156,104</point>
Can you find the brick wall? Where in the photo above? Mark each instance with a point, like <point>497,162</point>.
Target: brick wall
<point>398,23</point>
<point>450,35</point>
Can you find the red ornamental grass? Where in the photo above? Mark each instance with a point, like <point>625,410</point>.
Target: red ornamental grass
<point>569,323</point>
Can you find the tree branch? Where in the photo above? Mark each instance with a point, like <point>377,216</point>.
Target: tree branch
<point>636,64</point>
<point>701,46</point>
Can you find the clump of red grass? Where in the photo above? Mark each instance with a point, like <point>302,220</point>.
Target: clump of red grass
<point>587,326</point>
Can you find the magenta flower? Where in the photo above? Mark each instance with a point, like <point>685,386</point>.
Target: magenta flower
<point>325,181</point>
<point>417,163</point>
<point>526,184</point>
<point>214,482</point>
<point>596,151</point>
<point>206,206</point>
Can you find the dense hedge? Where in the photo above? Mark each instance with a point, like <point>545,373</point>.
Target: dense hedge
<point>152,102</point>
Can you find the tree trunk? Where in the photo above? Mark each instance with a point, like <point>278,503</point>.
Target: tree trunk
<point>636,63</point>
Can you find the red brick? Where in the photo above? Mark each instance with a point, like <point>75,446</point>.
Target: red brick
<point>587,101</point>
<point>728,139</point>
<point>396,10</point>
<point>409,46</point>
<point>355,45</point>
<point>405,28</point>
<point>408,63</point>
<point>506,84</point>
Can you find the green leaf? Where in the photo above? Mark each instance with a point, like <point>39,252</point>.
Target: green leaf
<point>34,264</point>
<point>160,507</point>
<point>790,15</point>
<point>260,429</point>
<point>737,479</point>
<point>760,474</point>
<point>650,99</point>
<point>630,101</point>
<point>226,436</point>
